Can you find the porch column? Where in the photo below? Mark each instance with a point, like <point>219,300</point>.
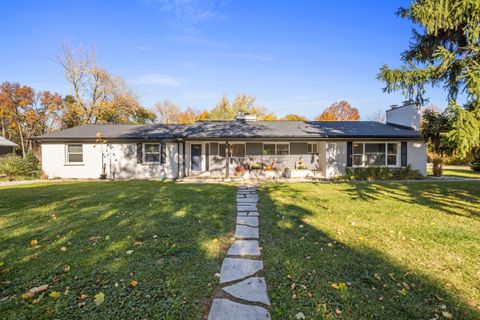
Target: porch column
<point>227,158</point>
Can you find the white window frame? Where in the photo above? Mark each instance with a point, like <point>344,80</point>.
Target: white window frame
<point>67,153</point>
<point>276,149</point>
<point>364,165</point>
<point>159,153</point>
<point>313,146</point>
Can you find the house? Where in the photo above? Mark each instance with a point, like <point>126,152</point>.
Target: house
<point>220,148</point>
<point>6,146</point>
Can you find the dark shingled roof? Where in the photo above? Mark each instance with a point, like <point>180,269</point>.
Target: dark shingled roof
<point>239,130</point>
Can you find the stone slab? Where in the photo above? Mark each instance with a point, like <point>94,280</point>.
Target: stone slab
<point>247,220</point>
<point>243,232</point>
<point>244,248</point>
<point>237,268</point>
<point>246,208</point>
<point>224,309</point>
<point>251,289</point>
<point>247,213</point>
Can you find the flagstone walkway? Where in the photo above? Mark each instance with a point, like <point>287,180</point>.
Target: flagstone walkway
<point>243,293</point>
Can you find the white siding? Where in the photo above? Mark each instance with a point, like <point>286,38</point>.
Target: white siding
<point>336,159</point>
<point>417,156</point>
<point>123,162</point>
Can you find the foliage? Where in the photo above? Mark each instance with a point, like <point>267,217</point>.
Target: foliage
<point>381,173</point>
<point>378,116</point>
<point>371,250</point>
<point>339,111</point>
<point>14,167</point>
<point>446,52</point>
<point>98,96</point>
<point>119,260</point>
<point>294,117</point>
<point>475,163</point>
<point>25,113</point>
<point>243,103</point>
<point>168,113</point>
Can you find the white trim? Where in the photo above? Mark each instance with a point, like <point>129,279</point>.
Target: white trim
<point>386,165</point>
<point>159,153</point>
<point>67,153</point>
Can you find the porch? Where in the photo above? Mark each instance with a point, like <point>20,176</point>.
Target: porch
<point>255,159</point>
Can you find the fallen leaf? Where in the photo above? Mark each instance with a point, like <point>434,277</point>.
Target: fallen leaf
<point>81,304</point>
<point>447,315</point>
<point>27,295</point>
<point>133,283</point>
<point>217,275</point>
<point>405,285</point>
<point>338,311</point>
<point>129,252</point>
<point>299,316</point>
<point>55,294</point>
<point>107,237</point>
<point>66,268</point>
<point>215,240</point>
<point>33,242</point>
<point>38,289</point>
<point>83,297</point>
<point>99,298</point>
<point>292,286</point>
<point>63,249</point>
<point>335,286</point>
<point>377,276</point>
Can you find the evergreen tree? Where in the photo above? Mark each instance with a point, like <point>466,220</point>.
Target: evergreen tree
<point>445,51</point>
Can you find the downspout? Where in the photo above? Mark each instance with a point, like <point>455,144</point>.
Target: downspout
<point>183,159</point>
<point>227,157</point>
<point>178,159</point>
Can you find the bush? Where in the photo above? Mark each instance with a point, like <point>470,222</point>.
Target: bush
<point>475,163</point>
<point>382,173</point>
<point>14,167</point>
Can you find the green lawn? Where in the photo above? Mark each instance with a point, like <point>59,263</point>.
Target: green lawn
<point>372,250</point>
<point>95,237</point>
<point>457,172</point>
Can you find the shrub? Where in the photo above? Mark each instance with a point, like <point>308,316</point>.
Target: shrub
<point>382,173</point>
<point>475,163</point>
<point>14,167</point>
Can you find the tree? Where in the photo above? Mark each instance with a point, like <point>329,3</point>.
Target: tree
<point>445,52</point>
<point>243,103</point>
<point>378,116</point>
<point>294,117</point>
<point>26,113</point>
<point>167,112</point>
<point>187,116</point>
<point>434,125</point>
<point>72,114</point>
<point>339,111</point>
<point>99,96</point>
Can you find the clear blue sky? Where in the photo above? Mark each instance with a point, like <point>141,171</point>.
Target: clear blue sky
<point>294,56</point>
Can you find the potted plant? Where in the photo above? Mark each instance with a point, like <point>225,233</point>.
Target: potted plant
<point>239,170</point>
<point>287,174</point>
<point>106,152</point>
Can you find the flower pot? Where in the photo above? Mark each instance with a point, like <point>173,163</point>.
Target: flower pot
<point>103,176</point>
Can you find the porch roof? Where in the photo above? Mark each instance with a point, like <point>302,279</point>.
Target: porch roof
<point>239,130</point>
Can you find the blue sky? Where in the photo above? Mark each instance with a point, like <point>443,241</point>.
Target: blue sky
<point>294,56</point>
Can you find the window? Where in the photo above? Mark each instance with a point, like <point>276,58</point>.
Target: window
<point>279,149</point>
<point>236,150</point>
<point>283,149</point>
<point>312,148</point>
<point>151,152</point>
<point>221,150</point>
<point>74,153</point>
<point>269,149</point>
<point>374,154</point>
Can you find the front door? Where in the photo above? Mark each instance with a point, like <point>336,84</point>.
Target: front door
<point>196,152</point>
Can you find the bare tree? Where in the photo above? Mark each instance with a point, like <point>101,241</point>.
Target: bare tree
<point>167,112</point>
<point>378,116</point>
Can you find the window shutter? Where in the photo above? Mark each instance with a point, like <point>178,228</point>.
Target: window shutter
<point>139,153</point>
<point>403,158</point>
<point>163,153</point>
<point>349,153</point>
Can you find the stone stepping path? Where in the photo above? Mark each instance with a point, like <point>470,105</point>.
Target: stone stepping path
<point>243,293</point>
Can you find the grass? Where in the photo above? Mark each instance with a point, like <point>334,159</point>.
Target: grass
<point>457,172</point>
<point>97,237</point>
<point>372,250</point>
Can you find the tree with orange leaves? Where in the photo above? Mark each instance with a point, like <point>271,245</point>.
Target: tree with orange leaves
<point>339,111</point>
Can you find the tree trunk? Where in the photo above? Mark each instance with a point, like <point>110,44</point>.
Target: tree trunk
<point>21,139</point>
<point>438,166</point>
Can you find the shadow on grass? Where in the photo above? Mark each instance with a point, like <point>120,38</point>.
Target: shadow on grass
<point>302,263</point>
<point>169,228</point>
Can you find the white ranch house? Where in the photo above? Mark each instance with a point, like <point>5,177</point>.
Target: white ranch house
<point>222,148</point>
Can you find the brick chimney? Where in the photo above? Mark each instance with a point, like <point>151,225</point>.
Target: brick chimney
<point>245,117</point>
